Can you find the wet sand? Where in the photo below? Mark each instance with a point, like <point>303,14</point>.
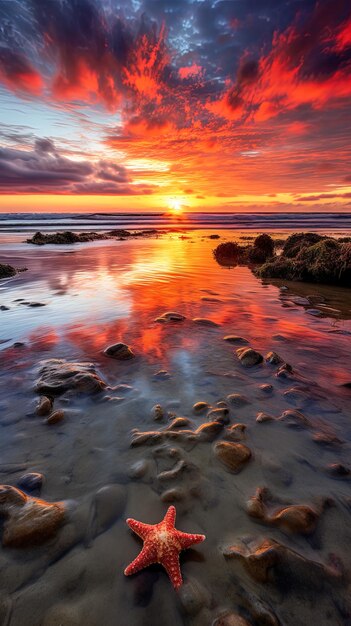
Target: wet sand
<point>98,294</point>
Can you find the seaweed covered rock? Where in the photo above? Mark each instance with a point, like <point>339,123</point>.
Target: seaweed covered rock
<point>298,241</point>
<point>262,249</point>
<point>311,258</point>
<point>227,253</point>
<point>58,376</point>
<point>6,271</point>
<point>65,237</point>
<point>28,520</point>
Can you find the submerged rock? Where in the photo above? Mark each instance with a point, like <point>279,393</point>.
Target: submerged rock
<point>299,518</point>
<point>119,351</point>
<point>235,339</point>
<point>58,376</point>
<point>170,316</point>
<point>219,415</point>
<point>28,520</point>
<point>31,481</point>
<point>233,455</point>
<point>44,406</point>
<point>268,560</point>
<point>158,413</point>
<point>273,358</point>
<point>55,417</point>
<point>203,321</point>
<point>236,399</point>
<point>200,407</point>
<point>249,357</point>
<point>338,470</point>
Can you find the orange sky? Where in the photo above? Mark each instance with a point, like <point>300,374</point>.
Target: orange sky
<point>219,107</point>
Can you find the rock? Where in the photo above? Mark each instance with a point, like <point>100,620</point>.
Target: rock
<point>315,312</point>
<point>326,438</point>
<point>44,406</point>
<point>266,388</point>
<point>268,560</point>
<point>200,407</point>
<point>249,357</point>
<point>28,520</point>
<point>273,358</point>
<point>235,339</point>
<point>36,305</point>
<point>236,399</point>
<point>161,375</point>
<point>295,518</point>
<point>338,470</point>
<point>4,308</point>
<point>139,469</point>
<point>264,417</point>
<point>209,430</point>
<point>109,502</point>
<point>58,376</point>
<point>219,415</point>
<point>55,417</point>
<point>31,481</point>
<point>284,371</point>
<point>158,413</point>
<point>170,316</point>
<point>179,422</point>
<point>119,351</point>
<point>295,419</point>
<point>300,301</point>
<point>173,495</point>
<point>123,388</point>
<point>203,321</point>
<point>6,271</point>
<point>230,619</point>
<point>236,432</point>
<point>233,455</point>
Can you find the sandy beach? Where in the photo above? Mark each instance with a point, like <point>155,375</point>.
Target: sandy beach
<point>273,432</point>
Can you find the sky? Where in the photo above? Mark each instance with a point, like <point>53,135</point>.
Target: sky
<point>195,105</point>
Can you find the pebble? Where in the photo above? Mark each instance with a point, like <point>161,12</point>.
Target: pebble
<point>236,399</point>
<point>55,417</point>
<point>263,417</point>
<point>158,413</point>
<point>219,415</point>
<point>249,357</point>
<point>31,482</point>
<point>170,316</point>
<point>119,351</point>
<point>266,388</point>
<point>233,455</point>
<point>162,375</point>
<point>273,358</point>
<point>203,321</point>
<point>200,407</point>
<point>235,339</point>
<point>44,406</point>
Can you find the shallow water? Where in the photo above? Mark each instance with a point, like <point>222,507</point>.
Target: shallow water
<point>98,294</point>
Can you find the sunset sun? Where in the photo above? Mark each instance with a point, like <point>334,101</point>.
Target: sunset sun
<point>175,206</point>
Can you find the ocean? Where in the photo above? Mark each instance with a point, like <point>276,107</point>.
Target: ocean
<point>32,222</point>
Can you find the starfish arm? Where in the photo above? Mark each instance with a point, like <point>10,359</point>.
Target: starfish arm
<point>186,539</point>
<point>172,567</point>
<point>170,517</point>
<point>146,557</point>
<point>139,528</point>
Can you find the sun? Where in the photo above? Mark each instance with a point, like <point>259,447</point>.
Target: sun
<point>175,206</point>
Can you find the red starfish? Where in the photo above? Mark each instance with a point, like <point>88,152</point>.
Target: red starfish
<point>162,544</point>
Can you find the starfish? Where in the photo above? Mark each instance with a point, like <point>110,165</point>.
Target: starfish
<point>162,544</point>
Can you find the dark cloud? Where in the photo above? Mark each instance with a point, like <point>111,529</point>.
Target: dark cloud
<point>43,170</point>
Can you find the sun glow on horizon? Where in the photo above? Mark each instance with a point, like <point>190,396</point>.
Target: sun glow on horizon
<point>175,206</point>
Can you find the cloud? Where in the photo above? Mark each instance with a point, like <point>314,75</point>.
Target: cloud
<point>43,170</point>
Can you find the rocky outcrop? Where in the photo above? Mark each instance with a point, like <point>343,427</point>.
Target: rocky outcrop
<point>56,376</point>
